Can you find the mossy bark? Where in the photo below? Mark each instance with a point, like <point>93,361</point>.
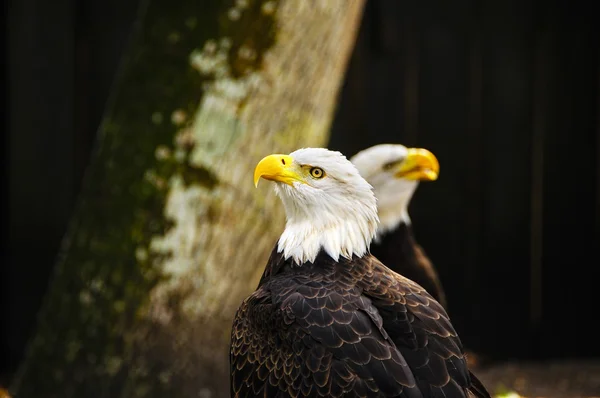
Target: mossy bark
<point>170,234</point>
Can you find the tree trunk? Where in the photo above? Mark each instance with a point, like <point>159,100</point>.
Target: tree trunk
<point>170,234</point>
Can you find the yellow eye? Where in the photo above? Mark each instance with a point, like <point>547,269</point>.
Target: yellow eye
<point>317,172</point>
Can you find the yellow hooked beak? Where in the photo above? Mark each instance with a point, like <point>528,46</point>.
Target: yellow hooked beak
<point>276,168</point>
<point>419,164</point>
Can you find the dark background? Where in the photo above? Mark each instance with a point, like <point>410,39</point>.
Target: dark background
<point>505,93</point>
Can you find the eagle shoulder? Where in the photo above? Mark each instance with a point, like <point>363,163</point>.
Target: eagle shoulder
<point>421,330</point>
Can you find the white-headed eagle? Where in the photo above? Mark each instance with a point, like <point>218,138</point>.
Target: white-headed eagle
<point>395,171</point>
<point>328,319</point>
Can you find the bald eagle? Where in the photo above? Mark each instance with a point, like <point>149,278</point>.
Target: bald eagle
<point>394,171</point>
<point>329,319</point>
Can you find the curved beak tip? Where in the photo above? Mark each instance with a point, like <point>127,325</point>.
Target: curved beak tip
<point>256,180</point>
<point>431,175</point>
<point>257,175</point>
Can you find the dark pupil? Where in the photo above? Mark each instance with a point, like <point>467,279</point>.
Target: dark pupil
<point>316,172</point>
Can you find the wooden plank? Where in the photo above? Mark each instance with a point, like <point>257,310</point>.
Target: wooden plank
<point>507,36</point>
<point>437,209</point>
<point>543,59</point>
<point>597,242</point>
<point>380,100</point>
<point>4,174</point>
<point>411,43</point>
<point>569,250</point>
<point>350,125</point>
<point>474,178</point>
<point>40,155</point>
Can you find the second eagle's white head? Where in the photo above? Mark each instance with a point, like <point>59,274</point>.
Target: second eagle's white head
<point>395,171</point>
<point>328,205</point>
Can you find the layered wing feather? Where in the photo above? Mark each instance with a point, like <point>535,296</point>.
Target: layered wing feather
<point>421,330</point>
<point>348,328</point>
<point>317,341</point>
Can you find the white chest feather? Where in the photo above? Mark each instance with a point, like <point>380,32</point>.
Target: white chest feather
<point>340,226</point>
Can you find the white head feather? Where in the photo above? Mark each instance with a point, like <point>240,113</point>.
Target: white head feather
<point>336,213</point>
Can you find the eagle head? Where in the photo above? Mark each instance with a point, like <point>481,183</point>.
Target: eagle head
<point>395,171</point>
<point>328,205</point>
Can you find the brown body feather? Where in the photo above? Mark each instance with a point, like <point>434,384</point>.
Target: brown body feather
<point>399,250</point>
<point>350,328</point>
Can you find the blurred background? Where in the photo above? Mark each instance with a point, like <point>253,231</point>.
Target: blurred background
<point>505,93</point>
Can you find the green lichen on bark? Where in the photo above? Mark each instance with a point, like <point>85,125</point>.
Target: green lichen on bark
<point>83,345</point>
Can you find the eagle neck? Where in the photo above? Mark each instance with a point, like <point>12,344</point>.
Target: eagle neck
<point>302,242</point>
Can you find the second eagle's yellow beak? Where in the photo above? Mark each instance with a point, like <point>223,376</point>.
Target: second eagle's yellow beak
<point>419,164</point>
<point>276,168</point>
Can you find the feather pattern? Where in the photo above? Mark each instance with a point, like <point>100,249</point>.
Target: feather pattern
<point>349,328</point>
<point>399,250</point>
